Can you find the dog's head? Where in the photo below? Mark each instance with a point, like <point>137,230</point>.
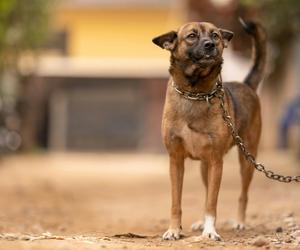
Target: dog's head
<point>197,47</point>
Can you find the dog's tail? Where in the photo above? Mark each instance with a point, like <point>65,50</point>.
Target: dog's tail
<point>259,37</point>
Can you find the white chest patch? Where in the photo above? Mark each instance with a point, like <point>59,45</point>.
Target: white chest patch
<point>195,143</point>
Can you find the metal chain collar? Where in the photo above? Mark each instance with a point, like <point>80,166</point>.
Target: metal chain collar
<point>198,96</point>
<point>219,92</point>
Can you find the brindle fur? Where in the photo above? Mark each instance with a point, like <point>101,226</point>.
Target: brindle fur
<point>196,129</point>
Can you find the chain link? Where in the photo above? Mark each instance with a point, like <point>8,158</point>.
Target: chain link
<point>240,143</point>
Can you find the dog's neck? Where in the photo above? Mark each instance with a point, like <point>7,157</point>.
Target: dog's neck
<point>190,79</point>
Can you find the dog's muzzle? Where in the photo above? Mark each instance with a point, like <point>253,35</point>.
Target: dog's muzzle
<point>204,51</point>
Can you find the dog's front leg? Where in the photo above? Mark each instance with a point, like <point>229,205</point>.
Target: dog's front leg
<point>214,176</point>
<point>176,175</point>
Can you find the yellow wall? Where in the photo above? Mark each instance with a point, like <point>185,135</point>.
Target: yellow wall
<point>114,32</point>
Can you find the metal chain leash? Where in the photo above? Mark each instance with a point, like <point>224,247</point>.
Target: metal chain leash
<point>218,92</point>
<point>241,145</point>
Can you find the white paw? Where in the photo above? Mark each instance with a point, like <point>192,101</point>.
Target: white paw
<point>209,230</point>
<point>197,226</point>
<point>172,234</point>
<point>239,226</point>
<point>211,234</point>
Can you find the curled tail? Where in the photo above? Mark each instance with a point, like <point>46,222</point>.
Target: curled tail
<point>259,37</point>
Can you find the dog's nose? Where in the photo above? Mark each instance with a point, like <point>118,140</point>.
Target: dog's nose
<point>209,45</point>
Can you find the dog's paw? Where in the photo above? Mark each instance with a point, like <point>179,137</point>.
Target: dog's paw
<point>172,234</point>
<point>211,234</point>
<point>197,226</point>
<point>239,226</point>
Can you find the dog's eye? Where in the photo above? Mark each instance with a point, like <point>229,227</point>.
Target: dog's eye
<point>192,36</point>
<point>215,36</point>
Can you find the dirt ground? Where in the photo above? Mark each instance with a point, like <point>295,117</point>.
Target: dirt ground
<point>81,201</point>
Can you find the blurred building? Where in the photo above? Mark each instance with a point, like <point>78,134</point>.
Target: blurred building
<point>100,82</point>
<point>104,81</point>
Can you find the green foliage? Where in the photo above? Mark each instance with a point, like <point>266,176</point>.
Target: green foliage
<point>282,17</point>
<point>282,20</point>
<point>23,26</point>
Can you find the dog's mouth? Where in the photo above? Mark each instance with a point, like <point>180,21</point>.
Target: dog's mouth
<point>201,63</point>
<point>204,59</point>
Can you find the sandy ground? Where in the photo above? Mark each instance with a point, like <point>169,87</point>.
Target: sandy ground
<point>80,201</point>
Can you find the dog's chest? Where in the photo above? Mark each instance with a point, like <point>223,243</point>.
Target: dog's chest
<point>200,137</point>
<point>200,129</point>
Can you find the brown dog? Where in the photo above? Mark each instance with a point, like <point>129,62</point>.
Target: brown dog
<point>195,129</point>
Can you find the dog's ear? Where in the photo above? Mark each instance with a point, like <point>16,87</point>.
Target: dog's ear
<point>226,36</point>
<point>166,41</point>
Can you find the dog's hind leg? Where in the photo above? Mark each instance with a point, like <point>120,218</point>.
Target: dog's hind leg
<point>246,171</point>
<point>176,175</point>
<point>198,225</point>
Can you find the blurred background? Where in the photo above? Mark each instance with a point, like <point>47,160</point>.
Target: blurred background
<point>82,90</point>
<point>83,75</point>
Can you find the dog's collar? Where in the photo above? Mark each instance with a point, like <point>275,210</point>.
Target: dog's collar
<point>199,96</point>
